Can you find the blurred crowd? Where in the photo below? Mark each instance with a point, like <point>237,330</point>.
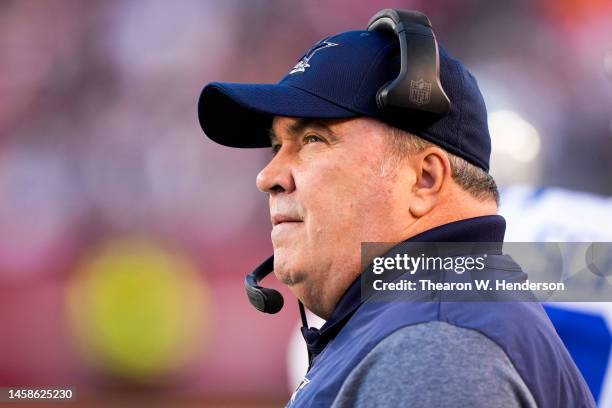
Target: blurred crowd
<point>103,166</point>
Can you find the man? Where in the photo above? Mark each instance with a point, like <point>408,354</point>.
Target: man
<point>344,172</point>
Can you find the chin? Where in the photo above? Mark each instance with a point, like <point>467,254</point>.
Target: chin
<point>287,270</point>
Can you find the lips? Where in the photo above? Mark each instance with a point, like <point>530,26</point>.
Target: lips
<point>283,218</point>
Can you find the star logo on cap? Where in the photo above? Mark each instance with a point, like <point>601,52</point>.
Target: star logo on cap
<point>304,62</point>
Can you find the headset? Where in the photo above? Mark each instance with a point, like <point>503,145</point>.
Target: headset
<point>417,89</point>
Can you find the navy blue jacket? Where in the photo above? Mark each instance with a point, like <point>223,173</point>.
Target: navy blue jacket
<point>521,329</point>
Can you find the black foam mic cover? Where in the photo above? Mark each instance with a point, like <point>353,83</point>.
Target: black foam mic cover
<point>263,299</point>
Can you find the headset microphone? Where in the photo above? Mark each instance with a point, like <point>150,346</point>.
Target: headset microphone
<point>263,299</point>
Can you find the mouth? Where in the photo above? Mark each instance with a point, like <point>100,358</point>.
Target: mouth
<point>279,219</point>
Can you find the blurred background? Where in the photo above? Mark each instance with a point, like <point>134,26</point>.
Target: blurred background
<point>125,233</point>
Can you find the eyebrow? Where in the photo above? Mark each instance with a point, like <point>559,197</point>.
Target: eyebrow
<point>300,125</point>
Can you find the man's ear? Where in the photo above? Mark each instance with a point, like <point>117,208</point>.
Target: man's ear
<point>433,171</point>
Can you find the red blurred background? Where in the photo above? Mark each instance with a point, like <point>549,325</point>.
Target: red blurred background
<point>125,234</point>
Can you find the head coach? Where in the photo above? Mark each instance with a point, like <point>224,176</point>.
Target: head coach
<point>380,136</point>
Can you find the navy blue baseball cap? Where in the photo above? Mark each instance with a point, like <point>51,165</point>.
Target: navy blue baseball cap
<point>339,78</point>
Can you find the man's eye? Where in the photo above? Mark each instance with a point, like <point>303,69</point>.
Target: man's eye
<point>312,139</point>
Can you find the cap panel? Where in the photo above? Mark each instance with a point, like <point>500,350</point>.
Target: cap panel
<point>473,127</point>
<point>336,72</point>
<point>383,68</point>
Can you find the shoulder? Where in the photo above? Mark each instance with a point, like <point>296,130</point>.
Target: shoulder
<point>435,364</point>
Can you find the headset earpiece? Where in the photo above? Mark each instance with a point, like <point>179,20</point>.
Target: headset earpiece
<point>417,87</point>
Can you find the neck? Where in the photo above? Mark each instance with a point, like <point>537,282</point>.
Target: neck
<point>450,212</point>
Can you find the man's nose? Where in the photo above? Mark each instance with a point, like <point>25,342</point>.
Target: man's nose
<point>277,176</point>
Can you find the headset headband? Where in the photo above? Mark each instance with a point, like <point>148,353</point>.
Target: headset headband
<point>417,87</point>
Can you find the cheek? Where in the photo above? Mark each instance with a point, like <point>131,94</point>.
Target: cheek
<point>338,202</point>
<point>325,195</point>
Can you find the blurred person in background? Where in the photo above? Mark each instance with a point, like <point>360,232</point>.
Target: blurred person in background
<point>349,167</point>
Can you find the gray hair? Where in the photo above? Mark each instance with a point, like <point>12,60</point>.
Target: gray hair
<point>471,178</point>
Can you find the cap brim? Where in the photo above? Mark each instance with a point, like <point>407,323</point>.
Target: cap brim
<point>240,115</point>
